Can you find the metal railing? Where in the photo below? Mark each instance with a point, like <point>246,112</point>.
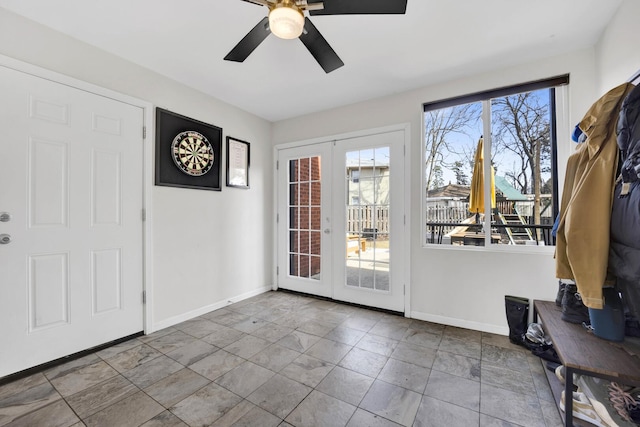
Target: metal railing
<point>437,230</point>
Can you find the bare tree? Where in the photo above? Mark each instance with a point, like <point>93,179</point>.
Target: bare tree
<point>441,124</point>
<point>522,127</point>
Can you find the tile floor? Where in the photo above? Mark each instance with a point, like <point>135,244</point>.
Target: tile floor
<point>280,359</point>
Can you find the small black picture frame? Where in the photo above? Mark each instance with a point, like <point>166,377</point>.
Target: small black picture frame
<point>188,152</point>
<point>238,155</point>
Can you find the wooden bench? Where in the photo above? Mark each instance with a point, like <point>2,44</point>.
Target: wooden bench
<point>356,244</point>
<point>584,353</point>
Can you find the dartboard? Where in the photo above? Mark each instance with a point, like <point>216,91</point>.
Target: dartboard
<point>192,153</point>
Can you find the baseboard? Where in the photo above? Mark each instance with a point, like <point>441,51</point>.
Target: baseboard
<point>460,323</point>
<point>171,321</point>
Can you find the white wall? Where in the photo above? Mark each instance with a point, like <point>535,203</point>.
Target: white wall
<point>208,246</point>
<point>618,51</point>
<point>463,287</point>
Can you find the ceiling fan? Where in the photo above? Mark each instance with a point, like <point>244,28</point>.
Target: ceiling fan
<point>286,20</point>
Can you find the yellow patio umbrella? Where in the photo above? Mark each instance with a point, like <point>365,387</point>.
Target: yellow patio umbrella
<point>476,196</point>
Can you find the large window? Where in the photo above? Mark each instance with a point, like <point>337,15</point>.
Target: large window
<point>490,174</point>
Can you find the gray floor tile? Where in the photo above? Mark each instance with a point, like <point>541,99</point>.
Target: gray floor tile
<point>119,348</point>
<point>164,419</point>
<point>423,338</point>
<point>279,396</point>
<point>389,330</point>
<point>130,412</point>
<point>453,389</point>
<point>436,413</point>
<point>26,400</point>
<point>216,364</point>
<point>455,364</point>
<point>458,346</point>
<point>21,385</point>
<point>307,370</point>
<point>392,402</point>
<point>364,362</point>
<point>247,346</point>
<point>316,327</point>
<point>489,421</point>
<point>411,353</point>
<point>206,405</point>
<point>192,352</point>
<point>133,357</point>
<point>249,325</point>
<point>223,337</point>
<point>363,324</point>
<point>522,409</point>
<point>249,309</point>
<point>172,341</point>
<point>151,372</point>
<point>226,317</point>
<point>329,351</point>
<point>467,335</point>
<point>362,418</point>
<point>248,415</point>
<point>272,332</point>
<point>509,358</point>
<point>319,409</point>
<point>57,414</point>
<point>518,381</point>
<point>345,335</point>
<point>405,375</point>
<point>157,334</point>
<point>175,387</point>
<point>298,341</point>
<point>345,385</point>
<point>423,326</point>
<point>377,344</point>
<point>551,413</point>
<point>88,402</point>
<point>245,378</point>
<point>275,357</point>
<point>82,378</point>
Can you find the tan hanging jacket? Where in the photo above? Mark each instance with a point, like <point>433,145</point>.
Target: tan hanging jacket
<point>582,239</point>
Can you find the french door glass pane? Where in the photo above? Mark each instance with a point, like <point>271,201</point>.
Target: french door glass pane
<point>304,217</point>
<point>367,218</point>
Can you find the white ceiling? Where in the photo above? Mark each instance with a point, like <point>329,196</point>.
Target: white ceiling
<point>435,41</point>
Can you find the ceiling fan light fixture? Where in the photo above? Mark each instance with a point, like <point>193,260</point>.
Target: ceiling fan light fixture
<point>286,22</point>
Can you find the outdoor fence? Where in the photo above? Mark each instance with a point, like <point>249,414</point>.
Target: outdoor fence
<point>368,221</point>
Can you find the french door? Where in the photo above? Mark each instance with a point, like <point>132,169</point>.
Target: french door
<point>341,219</point>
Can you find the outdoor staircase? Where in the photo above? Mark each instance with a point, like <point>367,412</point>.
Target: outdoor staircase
<point>517,235</point>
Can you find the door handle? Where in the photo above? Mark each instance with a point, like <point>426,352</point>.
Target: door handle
<point>327,231</point>
<point>5,239</point>
<point>5,217</point>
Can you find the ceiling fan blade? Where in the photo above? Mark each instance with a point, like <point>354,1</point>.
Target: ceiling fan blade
<point>360,7</point>
<point>319,47</point>
<point>250,42</point>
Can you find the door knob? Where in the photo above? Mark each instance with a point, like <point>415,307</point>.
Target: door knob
<point>5,239</point>
<point>327,231</point>
<point>5,217</point>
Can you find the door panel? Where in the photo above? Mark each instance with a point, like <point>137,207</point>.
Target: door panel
<point>369,209</point>
<point>303,221</point>
<point>72,274</point>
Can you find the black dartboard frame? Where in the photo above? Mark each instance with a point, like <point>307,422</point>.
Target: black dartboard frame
<point>188,152</point>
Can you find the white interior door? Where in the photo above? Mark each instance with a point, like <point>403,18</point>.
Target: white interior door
<point>71,187</point>
<point>368,212</point>
<point>304,223</point>
<point>341,219</point>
